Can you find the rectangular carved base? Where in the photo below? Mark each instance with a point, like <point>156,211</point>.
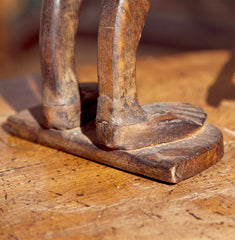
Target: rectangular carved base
<point>171,162</point>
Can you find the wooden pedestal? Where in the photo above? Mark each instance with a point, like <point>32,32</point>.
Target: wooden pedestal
<point>170,162</point>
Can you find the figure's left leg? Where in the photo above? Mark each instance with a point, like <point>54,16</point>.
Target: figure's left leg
<point>61,98</point>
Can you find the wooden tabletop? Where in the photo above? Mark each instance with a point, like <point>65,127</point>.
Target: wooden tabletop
<point>49,194</point>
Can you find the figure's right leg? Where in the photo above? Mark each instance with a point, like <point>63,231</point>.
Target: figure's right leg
<point>120,30</point>
<point>121,123</point>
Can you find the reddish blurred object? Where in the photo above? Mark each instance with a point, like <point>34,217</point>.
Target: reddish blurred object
<point>25,24</point>
<point>8,9</point>
<point>10,51</point>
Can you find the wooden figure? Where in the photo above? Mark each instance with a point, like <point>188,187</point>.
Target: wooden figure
<point>164,141</point>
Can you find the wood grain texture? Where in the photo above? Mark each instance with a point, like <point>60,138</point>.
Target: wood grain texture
<point>48,194</point>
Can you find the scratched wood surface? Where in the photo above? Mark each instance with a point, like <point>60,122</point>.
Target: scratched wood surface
<point>48,194</point>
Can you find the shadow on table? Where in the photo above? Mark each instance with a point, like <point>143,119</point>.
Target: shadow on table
<point>23,92</point>
<point>223,87</point>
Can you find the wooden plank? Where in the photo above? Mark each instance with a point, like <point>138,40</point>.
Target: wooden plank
<point>49,194</point>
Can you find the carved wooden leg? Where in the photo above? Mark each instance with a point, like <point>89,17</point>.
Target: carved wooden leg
<point>120,29</point>
<point>121,122</point>
<point>61,99</point>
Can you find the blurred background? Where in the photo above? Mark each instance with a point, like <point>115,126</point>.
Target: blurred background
<point>172,27</point>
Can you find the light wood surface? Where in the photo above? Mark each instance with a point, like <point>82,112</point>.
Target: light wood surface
<point>48,194</point>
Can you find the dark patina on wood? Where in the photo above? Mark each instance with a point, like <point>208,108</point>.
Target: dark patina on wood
<point>165,141</point>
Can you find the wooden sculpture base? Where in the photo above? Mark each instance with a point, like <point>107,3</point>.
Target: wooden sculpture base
<point>170,162</point>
